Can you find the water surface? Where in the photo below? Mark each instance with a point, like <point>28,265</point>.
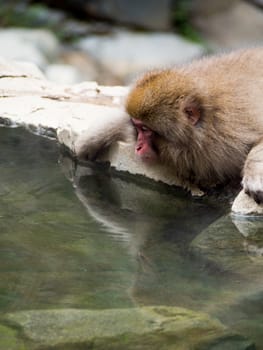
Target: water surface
<point>86,238</point>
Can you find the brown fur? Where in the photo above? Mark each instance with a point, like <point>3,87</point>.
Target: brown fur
<point>226,94</point>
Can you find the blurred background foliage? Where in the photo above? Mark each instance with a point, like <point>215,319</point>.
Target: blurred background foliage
<point>112,41</point>
<point>52,14</point>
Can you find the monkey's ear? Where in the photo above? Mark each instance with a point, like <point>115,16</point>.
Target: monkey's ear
<point>192,110</point>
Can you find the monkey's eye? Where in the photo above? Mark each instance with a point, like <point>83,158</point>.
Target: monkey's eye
<point>144,128</point>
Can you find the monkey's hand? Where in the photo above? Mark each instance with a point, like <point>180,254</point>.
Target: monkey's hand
<point>101,133</point>
<point>253,173</point>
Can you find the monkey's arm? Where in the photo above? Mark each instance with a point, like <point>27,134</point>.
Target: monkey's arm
<point>253,173</point>
<point>103,132</point>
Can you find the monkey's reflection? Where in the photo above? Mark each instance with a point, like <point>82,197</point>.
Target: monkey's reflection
<point>137,211</point>
<point>156,225</point>
<point>251,229</point>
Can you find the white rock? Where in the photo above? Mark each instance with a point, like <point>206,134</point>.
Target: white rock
<point>37,46</point>
<point>63,74</point>
<point>84,87</point>
<point>128,53</point>
<point>15,69</point>
<point>244,205</point>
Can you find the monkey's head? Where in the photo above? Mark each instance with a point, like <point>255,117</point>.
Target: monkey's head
<point>167,103</point>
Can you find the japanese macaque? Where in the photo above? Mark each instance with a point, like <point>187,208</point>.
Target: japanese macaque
<point>204,119</point>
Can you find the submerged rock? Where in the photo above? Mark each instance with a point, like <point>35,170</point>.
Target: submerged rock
<point>9,339</point>
<point>223,245</point>
<point>144,328</point>
<point>234,248</point>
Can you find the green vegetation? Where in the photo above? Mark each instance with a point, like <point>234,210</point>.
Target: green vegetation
<point>181,18</point>
<point>23,14</point>
<point>17,13</point>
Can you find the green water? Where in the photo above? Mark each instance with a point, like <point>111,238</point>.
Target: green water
<point>78,237</point>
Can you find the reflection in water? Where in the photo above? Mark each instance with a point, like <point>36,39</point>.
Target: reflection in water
<point>105,240</point>
<point>252,229</point>
<point>136,212</point>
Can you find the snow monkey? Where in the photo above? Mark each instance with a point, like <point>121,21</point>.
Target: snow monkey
<point>204,119</point>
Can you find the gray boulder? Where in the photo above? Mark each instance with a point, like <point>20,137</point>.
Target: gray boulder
<point>37,46</point>
<point>126,54</point>
<point>151,14</point>
<point>237,26</point>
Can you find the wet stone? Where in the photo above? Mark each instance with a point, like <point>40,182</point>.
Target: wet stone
<point>140,328</point>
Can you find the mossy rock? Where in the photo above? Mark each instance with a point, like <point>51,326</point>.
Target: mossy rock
<point>117,329</point>
<point>9,339</point>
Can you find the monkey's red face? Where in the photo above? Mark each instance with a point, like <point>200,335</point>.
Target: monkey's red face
<point>145,142</point>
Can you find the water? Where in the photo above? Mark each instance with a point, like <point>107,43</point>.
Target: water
<point>82,238</point>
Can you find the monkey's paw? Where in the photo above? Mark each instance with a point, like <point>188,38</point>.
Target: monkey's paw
<point>253,186</point>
